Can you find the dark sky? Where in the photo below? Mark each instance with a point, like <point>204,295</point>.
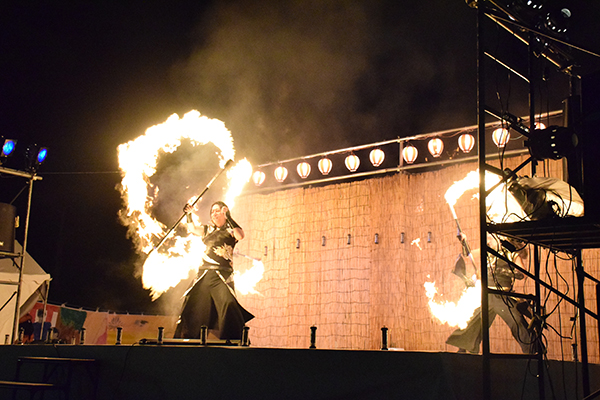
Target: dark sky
<point>288,78</point>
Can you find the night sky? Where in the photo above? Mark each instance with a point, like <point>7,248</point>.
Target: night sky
<point>288,79</point>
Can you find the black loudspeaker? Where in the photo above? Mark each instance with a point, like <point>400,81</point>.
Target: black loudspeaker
<point>8,215</point>
<point>590,143</point>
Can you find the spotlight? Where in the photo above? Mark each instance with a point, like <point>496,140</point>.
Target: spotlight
<point>535,4</point>
<point>35,156</point>
<point>557,21</point>
<point>7,149</point>
<point>41,156</point>
<point>554,142</point>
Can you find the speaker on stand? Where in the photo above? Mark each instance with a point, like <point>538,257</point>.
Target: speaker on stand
<point>8,215</point>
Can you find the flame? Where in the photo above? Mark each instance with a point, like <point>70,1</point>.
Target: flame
<point>138,161</point>
<point>471,181</point>
<point>501,207</point>
<point>451,313</point>
<point>417,242</point>
<point>500,203</point>
<point>246,281</point>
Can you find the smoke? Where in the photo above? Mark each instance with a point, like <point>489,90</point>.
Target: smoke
<point>297,77</point>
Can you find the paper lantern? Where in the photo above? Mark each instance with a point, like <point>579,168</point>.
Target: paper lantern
<point>466,141</point>
<point>303,169</point>
<point>352,162</point>
<point>325,165</point>
<point>501,136</point>
<point>376,157</point>
<point>435,146</point>
<point>281,173</point>
<point>410,153</point>
<point>258,177</point>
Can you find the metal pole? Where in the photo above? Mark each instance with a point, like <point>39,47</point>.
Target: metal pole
<point>485,334</point>
<point>585,373</point>
<point>227,165</point>
<point>23,252</point>
<point>44,310</point>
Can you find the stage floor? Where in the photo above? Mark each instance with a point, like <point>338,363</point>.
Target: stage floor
<point>232,372</point>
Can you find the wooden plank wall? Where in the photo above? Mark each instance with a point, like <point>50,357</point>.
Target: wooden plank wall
<point>349,287</point>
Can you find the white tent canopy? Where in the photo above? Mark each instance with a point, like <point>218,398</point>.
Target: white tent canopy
<point>34,283</point>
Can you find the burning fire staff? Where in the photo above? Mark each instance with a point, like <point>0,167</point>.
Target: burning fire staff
<point>501,275</point>
<point>211,300</point>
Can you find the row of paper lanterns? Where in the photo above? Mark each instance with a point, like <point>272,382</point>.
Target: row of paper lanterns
<point>376,156</point>
<point>466,141</point>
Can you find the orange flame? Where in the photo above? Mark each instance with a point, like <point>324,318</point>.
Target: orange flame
<point>454,314</point>
<point>501,207</point>
<point>137,162</point>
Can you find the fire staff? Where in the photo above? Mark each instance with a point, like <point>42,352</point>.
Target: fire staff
<point>211,300</point>
<point>501,275</point>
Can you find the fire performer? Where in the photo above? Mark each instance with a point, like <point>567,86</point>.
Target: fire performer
<point>211,300</point>
<point>501,276</point>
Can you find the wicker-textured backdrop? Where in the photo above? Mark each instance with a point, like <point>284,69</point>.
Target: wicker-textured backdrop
<point>323,267</point>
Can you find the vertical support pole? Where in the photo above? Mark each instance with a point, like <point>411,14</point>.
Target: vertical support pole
<point>45,310</point>
<point>538,309</point>
<point>533,76</point>
<point>481,152</point>
<point>585,373</point>
<point>23,252</point>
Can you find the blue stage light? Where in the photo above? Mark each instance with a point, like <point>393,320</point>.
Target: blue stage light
<point>42,155</point>
<point>35,156</point>
<point>8,147</point>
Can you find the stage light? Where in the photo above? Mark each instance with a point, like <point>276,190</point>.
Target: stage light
<point>8,147</point>
<point>410,153</point>
<point>466,141</point>
<point>35,156</point>
<point>376,156</point>
<point>303,169</point>
<point>557,20</point>
<point>435,146</point>
<point>325,165</point>
<point>500,136</point>
<point>535,4</point>
<point>41,156</point>
<point>554,142</point>
<point>352,162</point>
<point>258,177</point>
<point>281,173</point>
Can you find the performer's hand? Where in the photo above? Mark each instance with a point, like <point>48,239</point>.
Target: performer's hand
<point>187,208</point>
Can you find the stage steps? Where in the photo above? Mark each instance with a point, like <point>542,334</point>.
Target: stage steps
<point>43,374</point>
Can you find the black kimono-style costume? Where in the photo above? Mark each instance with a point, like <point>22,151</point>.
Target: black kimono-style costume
<point>500,276</point>
<point>211,300</point>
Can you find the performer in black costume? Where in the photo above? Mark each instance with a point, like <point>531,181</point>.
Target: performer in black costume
<point>501,275</point>
<point>211,300</point>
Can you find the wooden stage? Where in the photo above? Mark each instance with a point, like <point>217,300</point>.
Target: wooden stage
<point>234,372</point>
